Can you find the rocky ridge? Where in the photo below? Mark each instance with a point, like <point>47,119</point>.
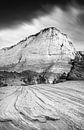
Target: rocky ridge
<point>48,51</point>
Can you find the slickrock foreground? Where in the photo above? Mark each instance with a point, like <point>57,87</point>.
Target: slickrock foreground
<point>43,107</point>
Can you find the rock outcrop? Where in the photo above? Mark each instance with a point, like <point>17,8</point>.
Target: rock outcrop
<point>77,70</point>
<point>48,51</point>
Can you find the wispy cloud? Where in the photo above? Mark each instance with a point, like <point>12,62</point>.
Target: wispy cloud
<point>69,21</point>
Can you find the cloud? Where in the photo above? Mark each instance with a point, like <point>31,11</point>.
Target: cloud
<point>69,20</point>
<point>13,13</point>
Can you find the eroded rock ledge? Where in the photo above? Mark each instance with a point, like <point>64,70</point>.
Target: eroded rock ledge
<point>29,77</point>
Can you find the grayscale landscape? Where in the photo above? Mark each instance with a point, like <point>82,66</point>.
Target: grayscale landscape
<point>41,65</point>
<point>42,83</point>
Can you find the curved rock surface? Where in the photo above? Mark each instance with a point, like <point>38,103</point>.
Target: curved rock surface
<point>43,107</point>
<point>47,49</point>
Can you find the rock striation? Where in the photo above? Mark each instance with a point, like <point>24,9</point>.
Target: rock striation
<point>48,51</point>
<point>43,107</point>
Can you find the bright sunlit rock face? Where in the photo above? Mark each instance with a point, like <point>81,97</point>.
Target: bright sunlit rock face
<point>48,46</point>
<point>47,51</point>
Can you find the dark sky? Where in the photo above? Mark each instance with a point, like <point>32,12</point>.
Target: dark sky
<point>21,18</point>
<point>12,12</point>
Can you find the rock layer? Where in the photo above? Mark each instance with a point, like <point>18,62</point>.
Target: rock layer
<point>48,46</point>
<point>39,107</point>
<point>47,51</point>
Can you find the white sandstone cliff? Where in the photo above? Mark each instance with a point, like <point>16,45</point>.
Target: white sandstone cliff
<point>49,50</point>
